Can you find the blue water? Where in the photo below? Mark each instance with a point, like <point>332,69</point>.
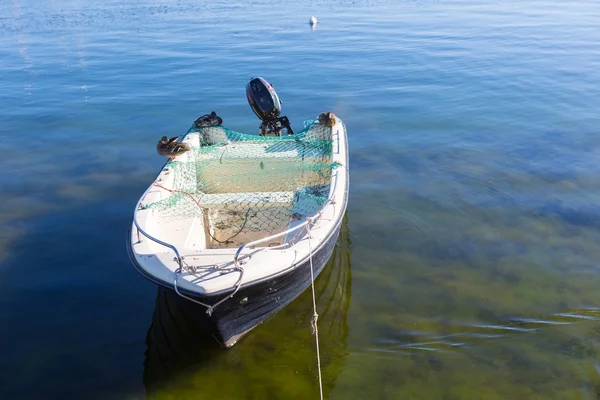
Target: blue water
<point>473,215</point>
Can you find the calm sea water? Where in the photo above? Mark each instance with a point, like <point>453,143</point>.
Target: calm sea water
<point>468,267</point>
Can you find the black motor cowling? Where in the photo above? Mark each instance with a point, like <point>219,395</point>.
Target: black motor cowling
<point>266,105</point>
<point>262,98</point>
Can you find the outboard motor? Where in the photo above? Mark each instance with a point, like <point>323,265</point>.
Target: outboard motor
<point>266,105</point>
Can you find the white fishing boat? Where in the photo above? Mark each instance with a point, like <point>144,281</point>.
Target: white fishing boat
<point>242,223</point>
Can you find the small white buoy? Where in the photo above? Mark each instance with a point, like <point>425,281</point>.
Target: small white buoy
<point>313,21</point>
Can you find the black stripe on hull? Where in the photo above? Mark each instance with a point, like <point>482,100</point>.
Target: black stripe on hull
<point>255,303</point>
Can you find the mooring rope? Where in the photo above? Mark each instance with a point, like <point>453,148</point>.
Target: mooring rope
<point>315,316</point>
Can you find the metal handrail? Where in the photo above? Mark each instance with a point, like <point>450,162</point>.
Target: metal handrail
<point>172,247</point>
<point>255,242</point>
<point>283,233</point>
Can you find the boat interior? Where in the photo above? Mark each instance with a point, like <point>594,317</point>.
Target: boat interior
<point>240,188</point>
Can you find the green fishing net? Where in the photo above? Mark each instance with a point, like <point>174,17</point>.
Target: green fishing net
<point>246,187</point>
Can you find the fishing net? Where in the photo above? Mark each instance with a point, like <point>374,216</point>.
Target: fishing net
<point>247,187</point>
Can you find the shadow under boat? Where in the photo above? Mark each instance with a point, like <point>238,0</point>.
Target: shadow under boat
<point>179,341</point>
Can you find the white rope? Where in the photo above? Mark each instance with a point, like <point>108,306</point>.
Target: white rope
<point>315,317</point>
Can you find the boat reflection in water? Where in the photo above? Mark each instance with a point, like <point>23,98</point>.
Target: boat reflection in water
<point>277,359</point>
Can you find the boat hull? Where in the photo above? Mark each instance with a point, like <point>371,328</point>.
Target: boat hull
<point>268,283</point>
<point>255,303</point>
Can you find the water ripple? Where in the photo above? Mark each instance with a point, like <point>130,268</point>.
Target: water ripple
<point>472,335</point>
